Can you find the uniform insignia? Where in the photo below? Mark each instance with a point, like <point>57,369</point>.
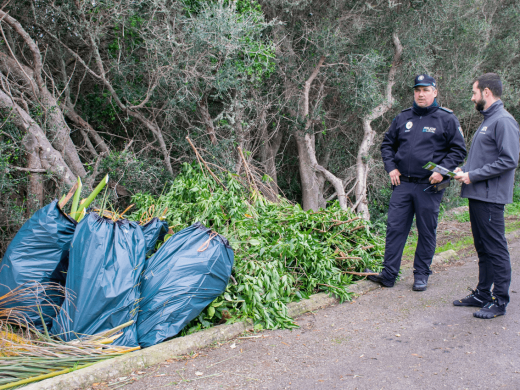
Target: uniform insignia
<point>420,78</point>
<point>409,125</point>
<point>429,130</point>
<point>460,131</point>
<point>483,130</point>
<point>446,109</point>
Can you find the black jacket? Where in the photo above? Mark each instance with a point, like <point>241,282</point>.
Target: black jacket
<point>493,157</point>
<point>419,135</point>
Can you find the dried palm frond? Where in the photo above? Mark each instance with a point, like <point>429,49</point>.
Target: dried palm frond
<point>27,355</point>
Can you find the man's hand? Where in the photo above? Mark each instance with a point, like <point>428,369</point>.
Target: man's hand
<point>435,178</point>
<point>462,177</point>
<point>394,177</point>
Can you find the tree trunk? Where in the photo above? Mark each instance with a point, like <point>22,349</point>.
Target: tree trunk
<point>99,144</point>
<point>206,119</point>
<point>35,187</point>
<point>369,134</point>
<point>309,167</point>
<point>308,178</point>
<point>269,149</point>
<point>50,158</point>
<point>56,122</point>
<point>362,169</point>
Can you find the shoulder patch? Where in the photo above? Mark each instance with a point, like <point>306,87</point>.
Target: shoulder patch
<point>406,109</point>
<point>446,109</point>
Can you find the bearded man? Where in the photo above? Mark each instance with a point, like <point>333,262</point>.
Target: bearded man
<point>488,180</point>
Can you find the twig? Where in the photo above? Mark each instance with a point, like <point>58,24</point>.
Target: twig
<point>69,195</point>
<point>359,227</point>
<point>248,172</point>
<point>360,273</point>
<point>343,222</point>
<point>348,257</point>
<point>33,170</point>
<point>243,376</point>
<point>222,361</point>
<point>202,377</point>
<point>206,165</point>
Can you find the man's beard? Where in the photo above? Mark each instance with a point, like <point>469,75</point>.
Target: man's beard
<point>480,104</point>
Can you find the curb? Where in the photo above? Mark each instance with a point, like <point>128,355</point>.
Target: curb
<point>138,360</point>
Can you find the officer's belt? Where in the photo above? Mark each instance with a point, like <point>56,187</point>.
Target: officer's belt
<point>417,180</point>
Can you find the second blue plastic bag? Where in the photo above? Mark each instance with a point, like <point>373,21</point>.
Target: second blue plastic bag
<point>154,231</point>
<point>184,276</point>
<point>106,261</point>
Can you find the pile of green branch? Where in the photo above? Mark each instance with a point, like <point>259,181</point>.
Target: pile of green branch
<point>282,253</point>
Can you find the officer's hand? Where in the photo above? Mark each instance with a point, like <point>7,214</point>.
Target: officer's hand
<point>463,177</point>
<point>435,178</point>
<point>457,170</point>
<point>394,177</point>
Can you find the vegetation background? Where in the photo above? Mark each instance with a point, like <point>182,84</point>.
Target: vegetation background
<point>305,88</point>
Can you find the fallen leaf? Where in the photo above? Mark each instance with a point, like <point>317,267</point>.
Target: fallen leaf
<point>233,346</point>
<point>198,373</point>
<point>122,378</point>
<point>284,343</point>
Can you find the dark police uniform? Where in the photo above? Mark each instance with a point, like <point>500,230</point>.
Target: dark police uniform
<point>415,137</point>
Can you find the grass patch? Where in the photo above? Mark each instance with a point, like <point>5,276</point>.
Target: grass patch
<point>512,209</point>
<point>456,245</point>
<point>512,226</point>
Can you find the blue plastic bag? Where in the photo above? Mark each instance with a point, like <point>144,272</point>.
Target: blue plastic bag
<point>106,262</point>
<point>38,255</point>
<point>154,231</point>
<point>185,275</point>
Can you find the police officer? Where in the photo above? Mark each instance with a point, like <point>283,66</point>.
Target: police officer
<point>488,179</point>
<point>422,133</point>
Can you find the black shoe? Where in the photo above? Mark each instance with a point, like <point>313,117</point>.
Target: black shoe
<point>420,283</point>
<point>473,299</point>
<point>491,310</point>
<point>379,279</point>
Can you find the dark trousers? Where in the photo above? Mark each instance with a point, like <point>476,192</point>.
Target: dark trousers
<point>409,199</point>
<point>494,264</point>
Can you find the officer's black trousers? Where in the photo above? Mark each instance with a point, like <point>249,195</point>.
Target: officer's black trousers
<point>494,264</point>
<point>409,199</point>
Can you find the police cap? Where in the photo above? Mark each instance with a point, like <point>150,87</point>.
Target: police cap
<point>423,80</point>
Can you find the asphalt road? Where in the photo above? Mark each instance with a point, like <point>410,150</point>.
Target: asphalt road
<point>388,339</point>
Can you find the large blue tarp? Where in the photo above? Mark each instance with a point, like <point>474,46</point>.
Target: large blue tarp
<point>38,255</point>
<point>154,231</point>
<point>106,262</point>
<point>186,274</point>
